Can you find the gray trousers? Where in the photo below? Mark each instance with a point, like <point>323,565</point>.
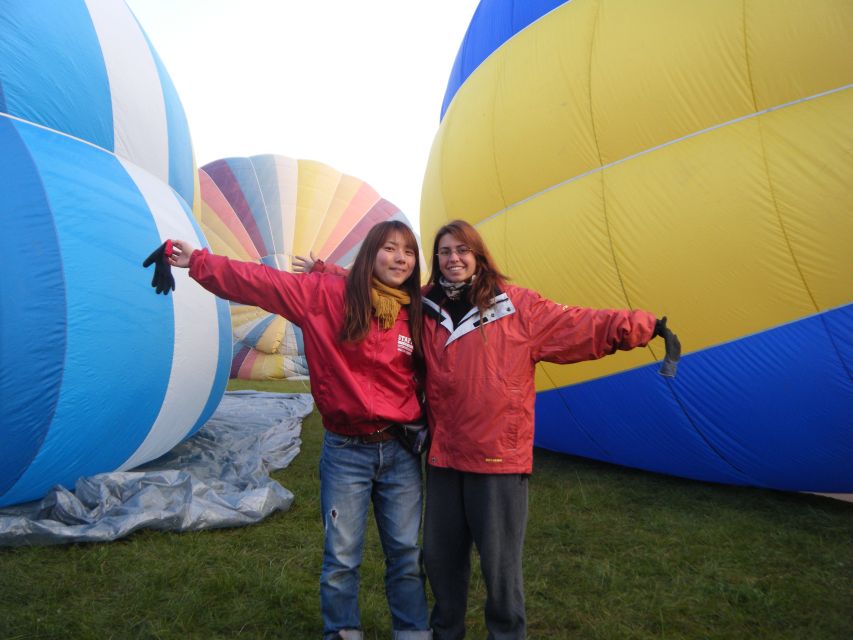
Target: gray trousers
<point>490,511</point>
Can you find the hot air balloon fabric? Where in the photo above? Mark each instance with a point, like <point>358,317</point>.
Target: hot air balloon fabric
<point>97,372</point>
<point>692,159</point>
<point>268,208</point>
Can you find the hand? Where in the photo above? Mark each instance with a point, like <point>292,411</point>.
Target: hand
<point>672,346</point>
<point>301,264</point>
<point>181,252</point>
<point>160,258</point>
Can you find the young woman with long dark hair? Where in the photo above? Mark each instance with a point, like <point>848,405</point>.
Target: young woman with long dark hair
<point>363,344</point>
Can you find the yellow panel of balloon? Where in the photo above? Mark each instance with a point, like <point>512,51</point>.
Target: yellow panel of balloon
<point>689,158</point>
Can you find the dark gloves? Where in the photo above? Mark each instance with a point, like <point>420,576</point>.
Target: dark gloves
<point>673,348</point>
<point>163,279</point>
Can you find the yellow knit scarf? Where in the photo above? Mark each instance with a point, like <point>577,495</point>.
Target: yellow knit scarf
<point>386,302</point>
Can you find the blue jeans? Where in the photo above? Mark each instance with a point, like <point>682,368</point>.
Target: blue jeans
<point>351,475</point>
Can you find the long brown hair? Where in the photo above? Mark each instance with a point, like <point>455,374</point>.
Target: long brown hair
<point>359,311</point>
<point>488,276</point>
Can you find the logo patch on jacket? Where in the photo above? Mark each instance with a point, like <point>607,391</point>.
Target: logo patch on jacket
<point>405,344</point>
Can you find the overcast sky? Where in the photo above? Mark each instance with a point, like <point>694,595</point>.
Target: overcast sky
<point>355,85</point>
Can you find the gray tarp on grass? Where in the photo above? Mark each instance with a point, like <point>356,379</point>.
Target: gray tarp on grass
<point>217,478</point>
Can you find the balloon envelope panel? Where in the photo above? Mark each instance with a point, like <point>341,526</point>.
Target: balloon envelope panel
<point>687,158</point>
<point>97,373</point>
<point>268,208</point>
<point>88,70</point>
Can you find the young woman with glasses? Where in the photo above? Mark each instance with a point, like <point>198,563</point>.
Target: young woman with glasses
<point>482,340</point>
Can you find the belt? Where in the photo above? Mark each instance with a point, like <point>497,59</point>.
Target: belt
<point>377,436</point>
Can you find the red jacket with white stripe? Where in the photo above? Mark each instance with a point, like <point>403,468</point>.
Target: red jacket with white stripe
<point>358,387</point>
<point>480,380</point>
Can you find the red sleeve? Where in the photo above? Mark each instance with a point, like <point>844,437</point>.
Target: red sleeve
<point>321,266</point>
<point>280,292</point>
<point>564,334</point>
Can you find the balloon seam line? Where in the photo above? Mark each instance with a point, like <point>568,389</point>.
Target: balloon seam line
<point>264,202</point>
<point>785,235</point>
<point>663,145</point>
<point>568,408</point>
<point>315,240</point>
<point>59,132</point>
<point>746,58</point>
<point>50,423</point>
<point>589,90</point>
<point>607,226</point>
<point>670,383</point>
<point>836,349</point>
<point>501,190</point>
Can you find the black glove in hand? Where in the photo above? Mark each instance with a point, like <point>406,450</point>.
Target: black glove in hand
<point>163,279</point>
<point>672,346</point>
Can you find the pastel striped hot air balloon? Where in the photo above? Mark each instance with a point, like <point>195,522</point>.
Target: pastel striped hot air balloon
<point>689,158</point>
<point>97,372</point>
<point>268,208</point>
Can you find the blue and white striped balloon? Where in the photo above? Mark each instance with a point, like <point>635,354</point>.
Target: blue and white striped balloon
<point>97,373</point>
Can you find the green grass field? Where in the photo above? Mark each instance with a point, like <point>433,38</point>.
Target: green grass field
<point>610,553</point>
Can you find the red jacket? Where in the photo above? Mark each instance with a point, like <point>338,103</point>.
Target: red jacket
<point>480,382</point>
<point>359,388</point>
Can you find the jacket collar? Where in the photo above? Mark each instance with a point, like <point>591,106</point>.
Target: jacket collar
<point>499,307</point>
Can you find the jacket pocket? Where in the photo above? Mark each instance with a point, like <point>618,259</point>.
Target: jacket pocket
<point>513,418</point>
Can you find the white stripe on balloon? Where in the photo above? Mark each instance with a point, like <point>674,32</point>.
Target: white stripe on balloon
<point>139,110</point>
<point>196,347</point>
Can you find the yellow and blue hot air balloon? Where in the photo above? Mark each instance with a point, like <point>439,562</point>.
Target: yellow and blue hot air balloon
<point>97,372</point>
<point>689,158</point>
<point>268,208</point>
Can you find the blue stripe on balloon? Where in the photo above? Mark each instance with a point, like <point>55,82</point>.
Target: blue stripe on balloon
<point>267,172</point>
<point>300,341</point>
<point>349,257</point>
<point>244,172</point>
<point>494,22</point>
<point>181,164</point>
<point>223,366</point>
<point>47,86</point>
<point>236,348</point>
<point>223,359</point>
<point>32,310</point>
<point>120,334</point>
<point>257,331</point>
<point>632,419</point>
<point>771,410</point>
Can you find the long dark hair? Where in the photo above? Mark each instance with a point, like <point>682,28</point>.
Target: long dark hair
<point>488,276</point>
<point>359,310</point>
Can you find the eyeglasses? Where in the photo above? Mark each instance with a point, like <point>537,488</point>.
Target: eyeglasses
<point>461,251</point>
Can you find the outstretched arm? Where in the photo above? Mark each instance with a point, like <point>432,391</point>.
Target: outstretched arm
<point>564,334</point>
<point>246,282</point>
